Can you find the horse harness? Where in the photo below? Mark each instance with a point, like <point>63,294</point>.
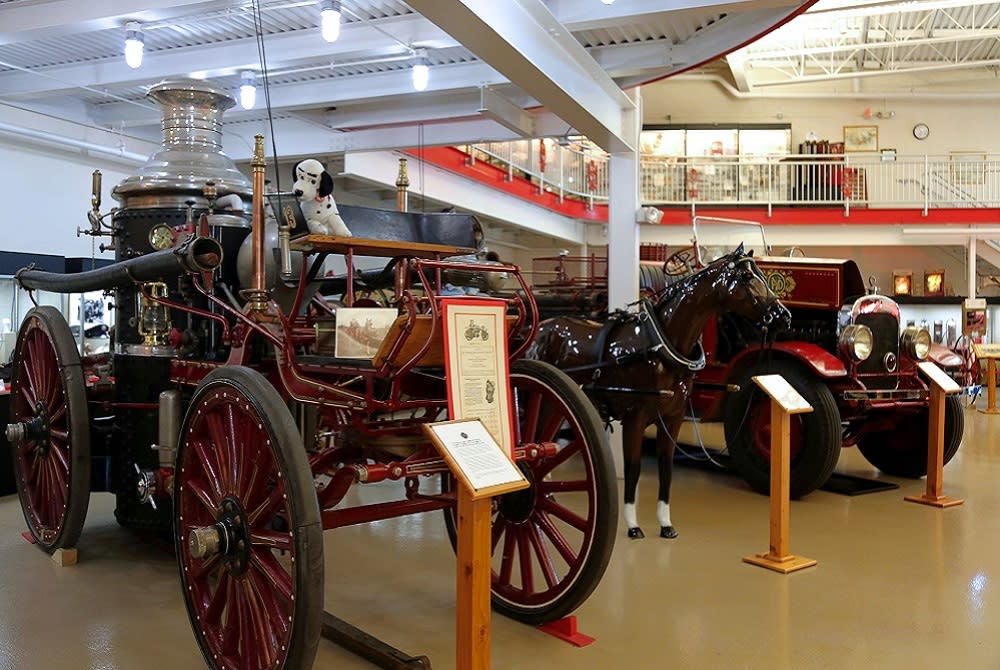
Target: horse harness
<point>658,347</point>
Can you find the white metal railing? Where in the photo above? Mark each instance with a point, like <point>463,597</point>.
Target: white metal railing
<point>848,180</point>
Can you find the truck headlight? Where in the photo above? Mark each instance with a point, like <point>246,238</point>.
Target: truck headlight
<point>915,342</point>
<point>856,341</point>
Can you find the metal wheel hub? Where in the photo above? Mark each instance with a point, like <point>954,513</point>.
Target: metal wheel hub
<point>36,428</point>
<point>227,538</point>
<point>517,507</point>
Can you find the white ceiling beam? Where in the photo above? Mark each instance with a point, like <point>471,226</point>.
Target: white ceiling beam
<point>625,60</point>
<point>494,106</point>
<point>466,195</point>
<point>458,105</point>
<point>296,139</point>
<point>524,42</point>
<point>737,68</point>
<point>357,40</point>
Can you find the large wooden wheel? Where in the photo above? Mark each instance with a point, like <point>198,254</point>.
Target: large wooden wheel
<point>247,527</point>
<point>552,541</point>
<point>49,430</point>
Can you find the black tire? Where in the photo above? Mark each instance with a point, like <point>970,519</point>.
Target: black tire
<point>816,437</point>
<point>52,468</point>
<point>240,457</point>
<point>525,522</point>
<point>902,452</point>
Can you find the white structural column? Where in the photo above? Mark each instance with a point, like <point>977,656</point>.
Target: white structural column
<point>972,267</point>
<point>623,203</point>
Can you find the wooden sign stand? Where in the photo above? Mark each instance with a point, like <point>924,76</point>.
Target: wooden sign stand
<point>474,547</point>
<point>990,352</point>
<point>785,401</point>
<point>941,386</point>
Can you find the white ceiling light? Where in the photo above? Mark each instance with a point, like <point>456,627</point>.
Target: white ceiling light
<point>608,2</point>
<point>421,71</point>
<point>329,13</point>
<point>248,89</point>
<point>133,44</point>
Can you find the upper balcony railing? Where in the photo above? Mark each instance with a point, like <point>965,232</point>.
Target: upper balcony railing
<point>867,180</point>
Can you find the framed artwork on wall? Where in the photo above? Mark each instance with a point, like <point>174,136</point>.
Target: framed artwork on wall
<point>860,138</point>
<point>902,282</point>
<point>934,282</point>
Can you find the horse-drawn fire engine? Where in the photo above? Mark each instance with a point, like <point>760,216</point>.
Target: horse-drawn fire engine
<point>219,414</point>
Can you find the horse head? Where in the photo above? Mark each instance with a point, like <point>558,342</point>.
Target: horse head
<point>746,292</point>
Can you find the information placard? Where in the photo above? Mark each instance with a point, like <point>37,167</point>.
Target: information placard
<point>475,457</point>
<point>477,366</point>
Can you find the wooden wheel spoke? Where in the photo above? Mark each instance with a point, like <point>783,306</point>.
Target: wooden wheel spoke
<point>261,642</point>
<point>56,417</point>
<point>58,453</point>
<point>270,505</point>
<point>556,538</point>
<point>507,557</point>
<point>207,461</point>
<point>271,539</point>
<point>563,455</point>
<point>276,611</point>
<point>279,580</point>
<point>59,485</point>
<point>233,452</point>
<point>555,509</point>
<point>59,434</point>
<point>568,486</point>
<point>531,408</point>
<point>499,526</point>
<point>220,443</point>
<point>550,428</point>
<point>216,604</point>
<point>210,503</point>
<point>28,394</point>
<point>201,571</point>
<point>245,631</point>
<point>542,555</point>
<point>524,563</point>
<point>263,623</point>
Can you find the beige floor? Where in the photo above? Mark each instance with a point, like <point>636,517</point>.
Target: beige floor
<point>897,586</point>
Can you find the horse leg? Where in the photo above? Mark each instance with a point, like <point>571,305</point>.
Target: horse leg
<point>665,457</point>
<point>631,452</point>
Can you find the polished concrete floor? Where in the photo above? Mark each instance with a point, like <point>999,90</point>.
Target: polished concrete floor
<point>898,585</point>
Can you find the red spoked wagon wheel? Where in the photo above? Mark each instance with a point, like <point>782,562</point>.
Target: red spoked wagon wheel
<point>247,527</point>
<point>552,541</point>
<point>49,430</point>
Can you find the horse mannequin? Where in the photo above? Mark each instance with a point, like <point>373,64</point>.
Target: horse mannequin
<point>639,368</point>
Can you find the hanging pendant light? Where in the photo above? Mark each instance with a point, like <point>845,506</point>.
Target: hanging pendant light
<point>133,44</point>
<point>329,14</point>
<point>248,89</point>
<point>421,71</point>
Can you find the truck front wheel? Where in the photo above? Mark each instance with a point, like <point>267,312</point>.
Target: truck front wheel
<point>902,452</point>
<point>815,437</point>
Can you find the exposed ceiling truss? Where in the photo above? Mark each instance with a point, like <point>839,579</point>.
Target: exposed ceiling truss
<point>907,40</point>
<point>564,61</point>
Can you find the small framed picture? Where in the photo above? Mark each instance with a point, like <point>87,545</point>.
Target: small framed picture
<point>934,282</point>
<point>860,138</point>
<point>902,282</point>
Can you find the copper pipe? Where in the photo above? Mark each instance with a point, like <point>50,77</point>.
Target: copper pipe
<point>402,184</point>
<point>257,222</point>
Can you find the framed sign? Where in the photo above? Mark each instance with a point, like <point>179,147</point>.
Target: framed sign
<point>475,458</point>
<point>360,330</point>
<point>860,138</point>
<point>477,366</point>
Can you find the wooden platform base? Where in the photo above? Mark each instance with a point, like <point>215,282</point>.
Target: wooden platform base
<point>939,501</point>
<point>64,557</point>
<point>989,410</point>
<point>784,564</point>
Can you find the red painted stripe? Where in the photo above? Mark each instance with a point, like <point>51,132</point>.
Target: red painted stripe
<point>457,161</point>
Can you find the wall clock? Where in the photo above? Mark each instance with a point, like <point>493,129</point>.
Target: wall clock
<point>921,131</point>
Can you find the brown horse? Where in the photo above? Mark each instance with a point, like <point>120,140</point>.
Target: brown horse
<point>638,367</point>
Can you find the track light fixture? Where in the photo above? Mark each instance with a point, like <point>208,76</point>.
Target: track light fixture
<point>133,44</point>
<point>329,14</point>
<point>608,2</point>
<point>421,70</point>
<point>248,89</point>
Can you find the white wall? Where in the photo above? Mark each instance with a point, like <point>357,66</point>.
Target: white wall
<point>46,196</point>
<point>955,125</point>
